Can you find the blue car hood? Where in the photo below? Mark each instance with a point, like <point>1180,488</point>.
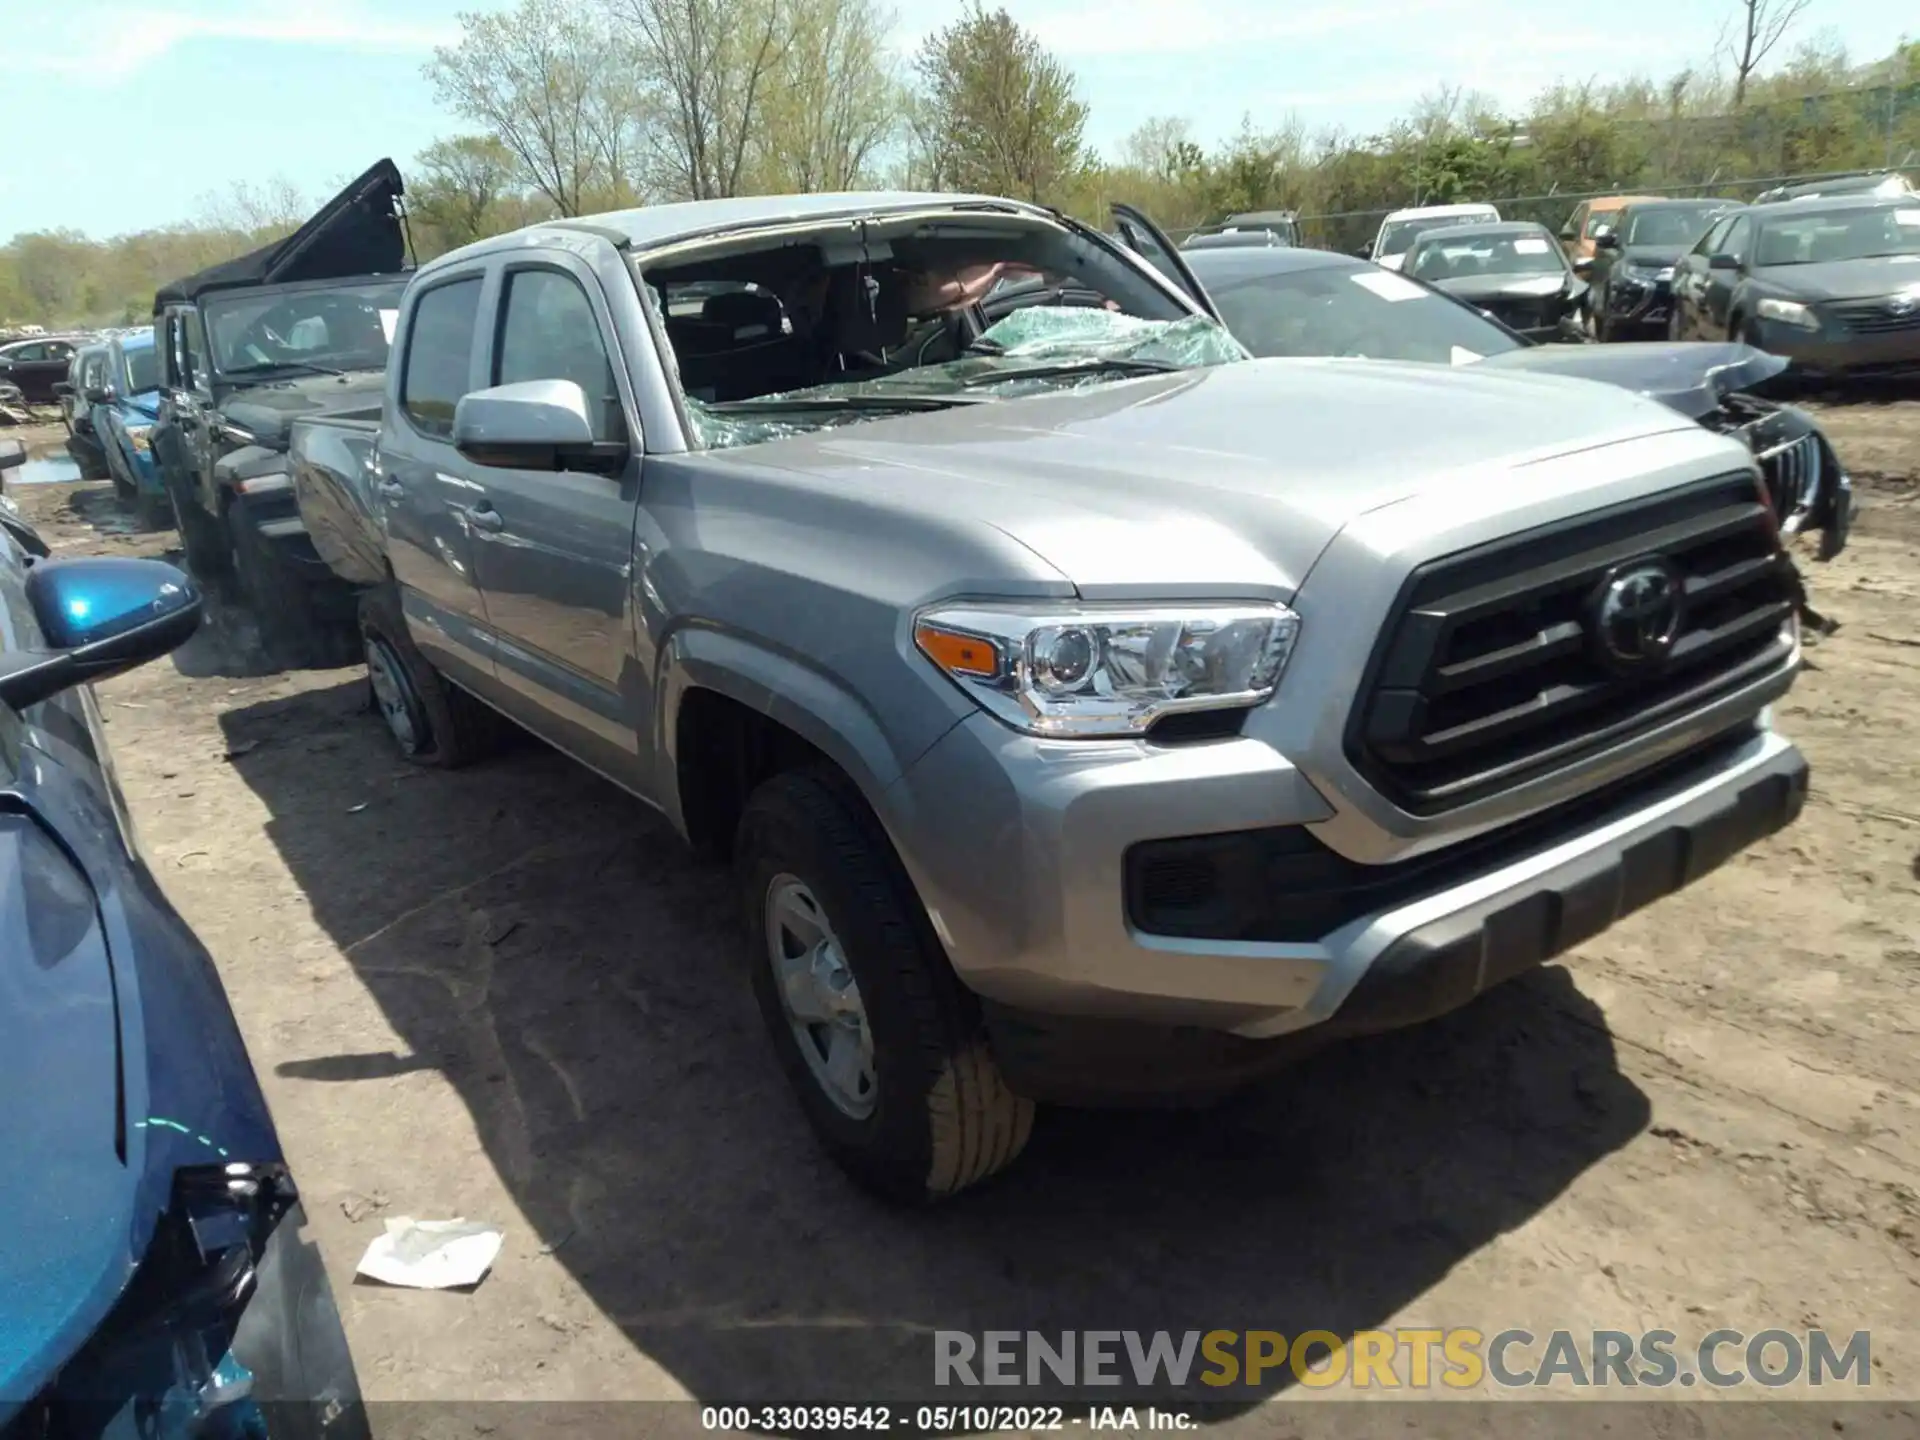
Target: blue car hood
<point>120,1064</point>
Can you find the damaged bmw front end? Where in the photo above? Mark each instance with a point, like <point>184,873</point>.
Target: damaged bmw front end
<point>1725,388</point>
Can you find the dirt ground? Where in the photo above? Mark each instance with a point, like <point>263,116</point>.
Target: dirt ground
<point>507,994</point>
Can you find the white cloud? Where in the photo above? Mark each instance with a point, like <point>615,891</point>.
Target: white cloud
<point>107,43</point>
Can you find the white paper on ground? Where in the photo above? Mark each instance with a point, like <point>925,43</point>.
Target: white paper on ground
<point>431,1254</point>
<point>1387,285</point>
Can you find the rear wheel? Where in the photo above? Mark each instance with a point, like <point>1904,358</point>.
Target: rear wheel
<point>883,1046</point>
<point>432,721</point>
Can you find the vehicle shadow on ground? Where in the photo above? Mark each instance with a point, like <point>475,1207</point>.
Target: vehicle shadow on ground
<point>552,948</point>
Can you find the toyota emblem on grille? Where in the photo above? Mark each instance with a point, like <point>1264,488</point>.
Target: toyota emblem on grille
<point>1637,613</point>
<point>1902,305</point>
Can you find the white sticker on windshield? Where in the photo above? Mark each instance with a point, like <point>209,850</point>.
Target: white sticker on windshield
<point>1530,245</point>
<point>388,320</point>
<point>1387,285</point>
<point>1906,217</point>
<point>1463,356</point>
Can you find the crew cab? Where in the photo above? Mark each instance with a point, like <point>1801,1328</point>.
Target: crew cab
<point>1091,712</point>
<point>298,327</point>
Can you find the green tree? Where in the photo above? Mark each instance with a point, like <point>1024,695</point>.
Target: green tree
<point>997,113</point>
<point>457,189</point>
<point>547,80</point>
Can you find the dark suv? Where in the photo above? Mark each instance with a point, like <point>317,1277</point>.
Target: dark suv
<point>301,327</point>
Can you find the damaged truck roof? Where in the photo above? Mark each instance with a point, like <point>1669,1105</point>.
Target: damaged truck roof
<point>358,232</point>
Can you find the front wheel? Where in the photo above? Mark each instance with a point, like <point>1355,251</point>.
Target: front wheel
<point>203,539</point>
<point>292,632</point>
<point>883,1046</point>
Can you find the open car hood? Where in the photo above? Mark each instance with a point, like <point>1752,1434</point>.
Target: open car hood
<point>1692,378</point>
<point>358,232</point>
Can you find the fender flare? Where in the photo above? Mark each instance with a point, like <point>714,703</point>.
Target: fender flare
<point>784,689</point>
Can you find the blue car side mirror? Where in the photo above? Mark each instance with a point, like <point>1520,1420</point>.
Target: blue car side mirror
<point>101,616</point>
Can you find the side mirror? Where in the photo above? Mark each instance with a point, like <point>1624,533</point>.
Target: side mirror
<point>1723,261</point>
<point>1566,233</point>
<point>102,395</point>
<point>63,387</point>
<point>1364,251</point>
<point>533,425</point>
<point>101,616</point>
<point>13,454</point>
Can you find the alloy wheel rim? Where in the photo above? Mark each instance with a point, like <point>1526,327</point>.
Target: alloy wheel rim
<point>820,998</point>
<point>392,697</point>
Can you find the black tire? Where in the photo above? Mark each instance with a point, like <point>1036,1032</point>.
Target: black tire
<point>447,728</point>
<point>203,539</point>
<point>294,630</point>
<point>941,1117</point>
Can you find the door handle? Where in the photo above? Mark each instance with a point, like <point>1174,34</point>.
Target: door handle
<point>484,517</point>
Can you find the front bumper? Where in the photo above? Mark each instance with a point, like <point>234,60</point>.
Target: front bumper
<point>1639,310</point>
<point>1019,848</point>
<point>1826,353</point>
<point>1424,958</point>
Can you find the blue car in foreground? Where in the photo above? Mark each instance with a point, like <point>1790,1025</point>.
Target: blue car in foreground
<point>154,1280</point>
<point>124,410</point>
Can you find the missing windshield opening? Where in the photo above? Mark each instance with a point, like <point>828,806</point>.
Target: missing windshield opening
<point>849,322</point>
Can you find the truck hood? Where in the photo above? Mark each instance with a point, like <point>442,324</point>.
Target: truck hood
<point>1692,378</point>
<point>1238,474</point>
<point>268,411</point>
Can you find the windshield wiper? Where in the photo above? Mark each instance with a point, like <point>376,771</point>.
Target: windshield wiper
<point>285,365</point>
<point>1062,368</point>
<point>782,404</point>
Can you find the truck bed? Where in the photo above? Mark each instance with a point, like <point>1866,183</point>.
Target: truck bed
<point>330,464</point>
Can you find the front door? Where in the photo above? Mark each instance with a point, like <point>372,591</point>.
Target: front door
<point>1151,244</point>
<point>554,549</point>
<point>419,484</point>
<point>1720,283</point>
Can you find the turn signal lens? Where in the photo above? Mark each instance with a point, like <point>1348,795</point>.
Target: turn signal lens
<point>958,653</point>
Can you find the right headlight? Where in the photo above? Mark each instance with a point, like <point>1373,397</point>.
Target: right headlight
<point>1788,312</point>
<point>1088,671</point>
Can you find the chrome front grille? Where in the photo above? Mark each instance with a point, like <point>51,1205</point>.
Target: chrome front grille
<point>1878,317</point>
<point>1513,660</point>
<point>1793,473</point>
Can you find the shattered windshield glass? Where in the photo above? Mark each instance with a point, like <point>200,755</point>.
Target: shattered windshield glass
<point>1035,350</point>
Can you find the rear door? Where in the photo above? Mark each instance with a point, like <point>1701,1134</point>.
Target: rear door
<point>553,550</point>
<point>1149,242</point>
<point>419,483</point>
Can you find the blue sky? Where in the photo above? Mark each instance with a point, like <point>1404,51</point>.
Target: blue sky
<point>152,107</point>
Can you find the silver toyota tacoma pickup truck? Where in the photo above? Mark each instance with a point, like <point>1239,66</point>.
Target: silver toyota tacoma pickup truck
<point>1091,713</point>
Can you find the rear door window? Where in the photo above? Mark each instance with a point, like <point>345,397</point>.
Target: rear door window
<point>439,359</point>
